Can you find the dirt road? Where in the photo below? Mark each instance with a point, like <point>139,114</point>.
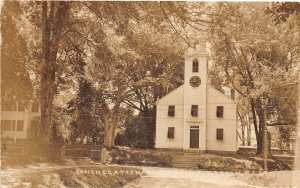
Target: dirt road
<point>180,178</point>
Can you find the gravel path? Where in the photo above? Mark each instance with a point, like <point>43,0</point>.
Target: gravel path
<point>155,177</point>
<point>180,178</point>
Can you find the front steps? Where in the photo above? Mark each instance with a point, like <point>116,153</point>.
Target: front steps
<point>185,159</point>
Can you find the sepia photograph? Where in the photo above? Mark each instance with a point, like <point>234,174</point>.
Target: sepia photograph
<point>149,94</point>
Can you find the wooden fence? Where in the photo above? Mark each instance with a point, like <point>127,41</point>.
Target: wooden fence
<point>86,150</point>
<point>275,151</point>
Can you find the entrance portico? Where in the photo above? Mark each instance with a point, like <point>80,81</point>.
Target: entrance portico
<point>193,135</point>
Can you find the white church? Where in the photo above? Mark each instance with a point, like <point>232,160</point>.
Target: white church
<point>196,116</point>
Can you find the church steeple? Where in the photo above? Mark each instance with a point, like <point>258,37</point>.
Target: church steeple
<point>195,92</point>
<point>196,64</point>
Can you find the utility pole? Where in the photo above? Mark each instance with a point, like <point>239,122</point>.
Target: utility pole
<point>265,141</point>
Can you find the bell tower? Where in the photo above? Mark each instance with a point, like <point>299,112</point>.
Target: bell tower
<point>195,102</point>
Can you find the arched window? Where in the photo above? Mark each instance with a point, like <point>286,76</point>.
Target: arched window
<point>195,65</point>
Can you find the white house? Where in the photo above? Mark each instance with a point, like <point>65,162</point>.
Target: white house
<point>18,122</point>
<point>196,115</point>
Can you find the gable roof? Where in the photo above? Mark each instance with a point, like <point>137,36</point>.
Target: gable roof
<point>176,90</point>
<point>212,92</point>
<point>226,97</point>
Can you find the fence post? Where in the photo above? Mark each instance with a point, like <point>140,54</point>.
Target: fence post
<point>103,155</point>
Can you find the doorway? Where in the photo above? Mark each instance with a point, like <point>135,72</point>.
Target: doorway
<point>194,137</point>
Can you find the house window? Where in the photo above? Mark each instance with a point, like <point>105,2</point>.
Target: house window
<point>21,107</point>
<point>171,131</point>
<point>20,125</point>
<point>8,106</point>
<point>6,125</point>
<point>34,125</point>
<point>220,133</point>
<point>171,111</point>
<point>220,111</point>
<point>195,65</point>
<point>13,123</point>
<point>194,110</point>
<point>35,107</point>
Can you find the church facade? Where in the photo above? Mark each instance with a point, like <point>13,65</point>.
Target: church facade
<point>196,116</point>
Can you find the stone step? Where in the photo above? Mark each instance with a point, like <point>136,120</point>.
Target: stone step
<point>182,160</point>
<point>185,159</point>
<point>184,163</point>
<point>185,166</point>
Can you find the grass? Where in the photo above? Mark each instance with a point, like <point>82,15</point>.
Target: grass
<point>210,162</point>
<point>102,176</point>
<point>13,161</point>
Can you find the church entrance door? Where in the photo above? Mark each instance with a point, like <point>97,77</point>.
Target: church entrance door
<point>194,137</point>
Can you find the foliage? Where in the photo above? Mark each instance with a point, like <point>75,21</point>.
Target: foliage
<point>139,132</point>
<point>16,84</point>
<point>256,59</point>
<point>84,112</point>
<point>133,70</point>
<point>282,10</point>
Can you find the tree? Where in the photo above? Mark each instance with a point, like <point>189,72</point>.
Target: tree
<point>72,31</point>
<point>282,11</point>
<point>130,56</point>
<point>53,21</point>
<point>16,85</point>
<point>255,59</point>
<point>84,111</point>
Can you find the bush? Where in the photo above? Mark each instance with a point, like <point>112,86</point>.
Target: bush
<point>140,157</point>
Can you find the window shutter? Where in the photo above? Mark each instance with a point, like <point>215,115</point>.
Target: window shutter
<point>171,131</point>
<point>171,111</point>
<point>220,111</point>
<point>195,65</point>
<point>220,133</point>
<point>194,110</point>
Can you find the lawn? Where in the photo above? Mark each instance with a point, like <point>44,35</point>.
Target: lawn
<point>72,176</point>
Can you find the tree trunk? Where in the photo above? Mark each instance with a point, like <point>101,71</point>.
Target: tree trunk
<point>261,142</point>
<point>109,131</point>
<point>45,110</point>
<point>51,35</point>
<point>261,130</point>
<point>257,126</point>
<point>249,131</point>
<point>243,125</point>
<point>110,123</point>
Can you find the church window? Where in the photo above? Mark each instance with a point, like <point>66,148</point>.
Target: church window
<point>171,111</point>
<point>194,110</point>
<point>195,65</point>
<point>171,131</point>
<point>220,133</point>
<point>220,111</point>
